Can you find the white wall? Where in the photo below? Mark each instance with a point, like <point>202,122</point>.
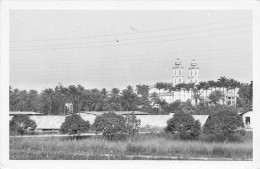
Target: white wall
<point>245,116</point>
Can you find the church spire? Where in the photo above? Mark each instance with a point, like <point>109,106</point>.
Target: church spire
<point>177,72</point>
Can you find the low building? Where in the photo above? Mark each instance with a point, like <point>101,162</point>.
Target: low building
<point>29,113</point>
<point>97,113</point>
<point>247,118</point>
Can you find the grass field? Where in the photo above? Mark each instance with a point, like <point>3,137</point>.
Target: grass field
<point>143,147</point>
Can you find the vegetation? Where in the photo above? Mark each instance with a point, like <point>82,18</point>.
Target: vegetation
<point>116,127</point>
<point>21,123</point>
<point>184,124</point>
<point>112,126</point>
<point>223,123</point>
<point>143,147</point>
<point>74,125</point>
<point>73,99</point>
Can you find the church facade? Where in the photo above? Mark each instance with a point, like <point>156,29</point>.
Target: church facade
<point>193,77</point>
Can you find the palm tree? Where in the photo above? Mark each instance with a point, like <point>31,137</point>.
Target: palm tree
<point>206,87</point>
<point>159,86</point>
<point>202,86</point>
<point>196,95</point>
<point>73,96</point>
<point>21,100</point>
<point>212,84</point>
<point>114,100</point>
<point>50,98</point>
<point>223,83</point>
<point>234,85</point>
<point>216,96</point>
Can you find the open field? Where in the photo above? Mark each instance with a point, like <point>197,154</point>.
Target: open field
<point>142,147</point>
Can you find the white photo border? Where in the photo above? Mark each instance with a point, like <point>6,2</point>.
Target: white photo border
<point>6,6</point>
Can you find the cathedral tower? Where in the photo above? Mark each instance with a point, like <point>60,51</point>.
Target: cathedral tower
<point>193,72</point>
<point>177,72</point>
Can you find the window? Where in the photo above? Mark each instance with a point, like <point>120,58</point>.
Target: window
<point>247,120</point>
<point>180,80</point>
<point>175,72</point>
<point>175,80</point>
<point>179,72</point>
<point>195,72</point>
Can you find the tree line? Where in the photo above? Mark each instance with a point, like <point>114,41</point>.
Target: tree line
<point>53,100</point>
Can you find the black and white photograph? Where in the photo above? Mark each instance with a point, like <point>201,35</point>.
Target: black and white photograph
<point>129,84</point>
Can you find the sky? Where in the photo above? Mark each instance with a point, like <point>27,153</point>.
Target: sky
<point>107,49</point>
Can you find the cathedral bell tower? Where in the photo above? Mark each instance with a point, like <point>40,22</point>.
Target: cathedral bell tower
<point>177,73</point>
<point>194,72</point>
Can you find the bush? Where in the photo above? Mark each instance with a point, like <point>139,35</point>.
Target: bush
<point>112,125</point>
<point>74,124</point>
<point>20,124</point>
<point>106,119</point>
<point>184,124</point>
<point>132,125</point>
<point>115,132</point>
<point>223,123</point>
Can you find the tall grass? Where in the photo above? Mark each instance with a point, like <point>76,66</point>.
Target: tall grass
<point>142,145</point>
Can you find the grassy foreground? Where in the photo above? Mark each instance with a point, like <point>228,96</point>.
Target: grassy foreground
<point>143,147</point>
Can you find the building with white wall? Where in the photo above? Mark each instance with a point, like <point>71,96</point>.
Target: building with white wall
<point>247,118</point>
<point>193,77</point>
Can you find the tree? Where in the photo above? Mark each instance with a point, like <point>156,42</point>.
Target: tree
<point>223,123</point>
<point>20,123</point>
<point>74,125</point>
<point>196,95</point>
<point>132,125</point>
<point>183,124</point>
<point>159,86</point>
<point>112,126</point>
<point>114,100</point>
<point>216,96</point>
<point>50,99</point>
<point>129,100</point>
<point>245,93</point>
<point>73,96</point>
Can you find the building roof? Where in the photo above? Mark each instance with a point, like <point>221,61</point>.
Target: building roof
<point>24,112</point>
<point>48,122</point>
<point>54,122</point>
<point>244,112</point>
<point>161,120</point>
<point>117,112</point>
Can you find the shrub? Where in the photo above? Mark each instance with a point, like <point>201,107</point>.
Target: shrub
<point>21,123</point>
<point>132,125</point>
<point>115,132</point>
<point>184,124</point>
<point>106,119</point>
<point>223,123</point>
<point>112,125</point>
<point>74,124</point>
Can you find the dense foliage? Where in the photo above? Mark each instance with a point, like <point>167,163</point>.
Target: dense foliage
<point>21,123</point>
<point>73,99</point>
<point>116,127</point>
<point>223,123</point>
<point>132,124</point>
<point>74,124</point>
<point>107,119</point>
<point>183,124</point>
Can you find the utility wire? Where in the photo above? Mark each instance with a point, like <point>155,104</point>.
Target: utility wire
<point>196,37</point>
<point>149,31</point>
<point>130,39</point>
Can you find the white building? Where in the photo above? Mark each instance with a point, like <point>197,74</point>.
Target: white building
<point>247,118</point>
<point>193,77</point>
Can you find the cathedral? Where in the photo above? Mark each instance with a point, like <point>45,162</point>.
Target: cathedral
<point>193,76</point>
